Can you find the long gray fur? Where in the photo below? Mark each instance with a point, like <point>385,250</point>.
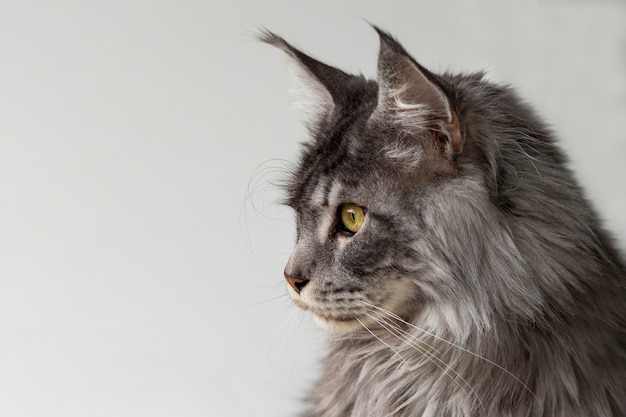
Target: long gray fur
<point>481,283</point>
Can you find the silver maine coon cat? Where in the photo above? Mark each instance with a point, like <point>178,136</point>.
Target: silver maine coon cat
<point>444,242</point>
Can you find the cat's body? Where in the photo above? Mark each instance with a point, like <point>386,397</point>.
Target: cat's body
<point>474,278</point>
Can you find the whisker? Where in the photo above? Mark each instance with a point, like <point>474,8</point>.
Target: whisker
<point>406,337</point>
<point>288,325</point>
<point>383,342</point>
<point>258,179</point>
<point>396,353</point>
<point>281,297</point>
<point>454,345</point>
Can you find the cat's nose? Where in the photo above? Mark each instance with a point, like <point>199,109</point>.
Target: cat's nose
<point>296,283</point>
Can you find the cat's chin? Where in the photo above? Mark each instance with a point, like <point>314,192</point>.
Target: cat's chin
<point>338,326</point>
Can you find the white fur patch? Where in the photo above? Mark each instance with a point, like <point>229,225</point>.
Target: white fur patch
<point>318,197</point>
<point>336,326</point>
<point>327,217</point>
<point>411,157</point>
<point>334,194</point>
<point>313,98</point>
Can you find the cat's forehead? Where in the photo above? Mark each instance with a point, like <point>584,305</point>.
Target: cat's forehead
<point>326,187</point>
<point>362,165</point>
<point>355,172</point>
<point>326,191</point>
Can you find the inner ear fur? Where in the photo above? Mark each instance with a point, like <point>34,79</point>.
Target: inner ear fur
<point>409,91</point>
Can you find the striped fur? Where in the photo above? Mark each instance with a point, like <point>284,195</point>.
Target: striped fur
<point>481,283</point>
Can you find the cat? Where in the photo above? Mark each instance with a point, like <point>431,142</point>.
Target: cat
<point>444,242</point>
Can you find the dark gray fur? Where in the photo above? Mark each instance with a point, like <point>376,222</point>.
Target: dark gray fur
<point>481,284</point>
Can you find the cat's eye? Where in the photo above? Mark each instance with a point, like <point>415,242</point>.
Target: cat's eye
<point>352,217</point>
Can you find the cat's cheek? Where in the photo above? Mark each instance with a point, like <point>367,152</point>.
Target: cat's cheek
<point>399,301</point>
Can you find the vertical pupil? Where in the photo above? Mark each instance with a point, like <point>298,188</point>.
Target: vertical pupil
<point>351,217</point>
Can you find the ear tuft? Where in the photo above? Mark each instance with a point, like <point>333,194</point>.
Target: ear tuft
<point>321,85</point>
<point>269,37</point>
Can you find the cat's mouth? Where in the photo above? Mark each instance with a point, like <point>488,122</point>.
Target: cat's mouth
<point>353,313</point>
<point>357,322</point>
<point>346,320</point>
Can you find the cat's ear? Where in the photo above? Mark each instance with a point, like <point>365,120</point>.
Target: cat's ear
<point>320,84</point>
<point>408,91</point>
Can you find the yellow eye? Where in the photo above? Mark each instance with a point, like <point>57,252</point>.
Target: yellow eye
<point>352,217</point>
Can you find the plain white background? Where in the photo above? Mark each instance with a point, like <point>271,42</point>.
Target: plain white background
<point>141,251</point>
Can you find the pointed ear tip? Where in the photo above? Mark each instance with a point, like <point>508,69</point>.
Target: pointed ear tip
<point>267,36</point>
<point>385,37</point>
<point>388,42</point>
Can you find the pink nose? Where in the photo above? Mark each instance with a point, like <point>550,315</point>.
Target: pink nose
<point>296,283</point>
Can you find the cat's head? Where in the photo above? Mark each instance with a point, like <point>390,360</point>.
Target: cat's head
<point>393,200</point>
